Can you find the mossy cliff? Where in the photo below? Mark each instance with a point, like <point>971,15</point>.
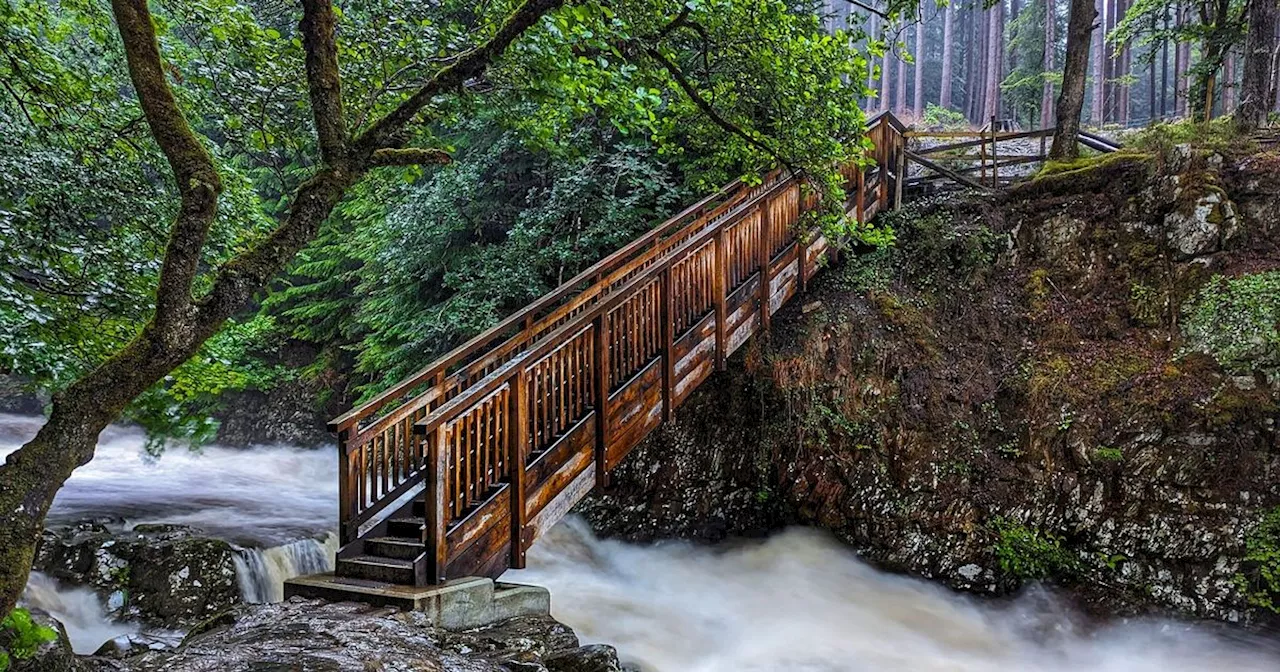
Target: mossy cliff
<point>1077,382</point>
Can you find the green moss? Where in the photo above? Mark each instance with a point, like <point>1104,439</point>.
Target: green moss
<point>1084,164</point>
<point>1259,578</point>
<point>1029,554</point>
<point>1237,321</point>
<point>1108,454</point>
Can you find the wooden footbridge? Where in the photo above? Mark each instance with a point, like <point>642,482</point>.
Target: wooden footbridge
<point>457,470</point>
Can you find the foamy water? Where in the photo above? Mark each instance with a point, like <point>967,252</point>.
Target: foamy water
<point>797,602</point>
<point>260,496</point>
<point>802,602</point>
<point>277,504</point>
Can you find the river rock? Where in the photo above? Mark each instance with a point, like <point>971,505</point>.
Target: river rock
<point>164,575</point>
<point>352,637</point>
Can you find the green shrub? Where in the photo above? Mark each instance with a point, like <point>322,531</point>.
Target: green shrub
<point>1027,554</point>
<point>1260,578</point>
<point>22,637</point>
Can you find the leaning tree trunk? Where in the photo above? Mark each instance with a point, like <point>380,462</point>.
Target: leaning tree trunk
<point>32,475</point>
<point>1071,100</point>
<point>1255,83</point>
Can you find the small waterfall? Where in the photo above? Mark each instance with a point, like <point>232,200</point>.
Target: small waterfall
<point>78,609</point>
<point>263,571</point>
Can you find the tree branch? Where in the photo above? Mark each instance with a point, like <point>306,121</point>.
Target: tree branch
<point>386,131</point>
<point>690,90</point>
<point>193,171</point>
<point>869,8</point>
<point>324,81</point>
<point>409,156</point>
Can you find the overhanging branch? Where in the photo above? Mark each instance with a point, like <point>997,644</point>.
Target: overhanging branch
<point>702,104</point>
<point>387,131</point>
<point>409,156</point>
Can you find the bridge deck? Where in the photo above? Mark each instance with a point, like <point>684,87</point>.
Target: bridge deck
<point>458,469</point>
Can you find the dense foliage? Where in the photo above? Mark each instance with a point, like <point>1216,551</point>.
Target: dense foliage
<point>592,128</point>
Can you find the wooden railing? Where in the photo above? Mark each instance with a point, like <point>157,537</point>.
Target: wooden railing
<point>949,155</point>
<point>505,433</point>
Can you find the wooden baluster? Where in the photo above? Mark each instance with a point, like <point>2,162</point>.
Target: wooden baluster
<point>601,369</point>
<point>486,445</point>
<point>517,410</point>
<point>668,363</point>
<point>720,267</point>
<point>766,223</point>
<point>433,531</point>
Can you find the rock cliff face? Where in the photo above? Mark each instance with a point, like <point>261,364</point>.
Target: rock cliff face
<point>1078,382</point>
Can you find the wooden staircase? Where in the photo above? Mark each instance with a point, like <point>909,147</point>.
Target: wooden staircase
<point>456,470</point>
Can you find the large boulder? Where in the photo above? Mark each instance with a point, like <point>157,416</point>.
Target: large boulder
<point>165,575</point>
<point>351,637</point>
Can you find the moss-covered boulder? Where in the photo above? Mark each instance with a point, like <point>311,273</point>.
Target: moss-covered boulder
<point>165,575</point>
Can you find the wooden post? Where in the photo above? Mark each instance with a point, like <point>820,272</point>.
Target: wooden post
<point>900,164</point>
<point>720,288</point>
<point>517,439</point>
<point>882,158</point>
<point>667,318</point>
<point>995,161</point>
<point>601,373</point>
<point>766,253</point>
<point>346,527</point>
<point>982,155</point>
<point>433,531</point>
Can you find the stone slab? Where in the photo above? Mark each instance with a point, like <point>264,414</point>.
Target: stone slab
<point>460,604</point>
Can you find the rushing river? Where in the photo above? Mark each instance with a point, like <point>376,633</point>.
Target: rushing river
<point>798,601</point>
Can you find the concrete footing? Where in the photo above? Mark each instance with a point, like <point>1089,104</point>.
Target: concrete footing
<point>455,605</point>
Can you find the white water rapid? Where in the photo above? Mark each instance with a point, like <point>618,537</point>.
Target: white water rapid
<point>797,602</point>
<point>276,504</point>
<point>802,602</point>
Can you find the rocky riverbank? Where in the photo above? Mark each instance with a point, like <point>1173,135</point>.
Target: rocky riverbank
<point>344,637</point>
<point>1077,383</point>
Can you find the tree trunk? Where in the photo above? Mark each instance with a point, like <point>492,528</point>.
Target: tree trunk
<point>1164,69</point>
<point>1050,46</point>
<point>1151,88</point>
<point>948,21</point>
<point>885,80</point>
<point>900,93</point>
<point>32,475</point>
<point>917,93</point>
<point>1181,67</point>
<point>1229,83</point>
<point>1076,66</point>
<point>1099,67</point>
<point>995,56</point>
<point>1256,81</point>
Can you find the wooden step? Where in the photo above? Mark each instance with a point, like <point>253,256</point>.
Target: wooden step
<point>409,528</point>
<point>387,570</point>
<point>402,548</point>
